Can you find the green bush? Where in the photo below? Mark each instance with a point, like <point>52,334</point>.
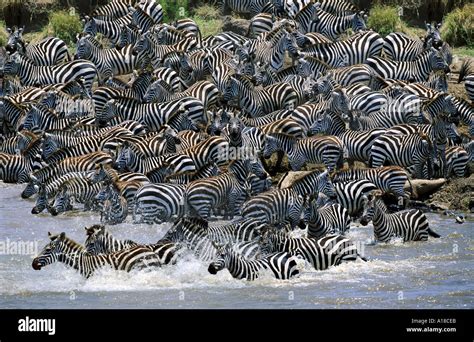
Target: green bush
<point>174,9</point>
<point>458,26</point>
<point>207,12</point>
<point>3,34</point>
<point>65,25</point>
<point>384,20</point>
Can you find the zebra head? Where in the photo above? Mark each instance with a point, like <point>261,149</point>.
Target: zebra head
<point>96,236</point>
<point>125,37</point>
<point>452,133</point>
<point>180,121</point>
<point>325,185</point>
<point>184,63</point>
<point>232,89</point>
<point>223,258</point>
<point>90,26</point>
<point>41,201</point>
<point>32,118</point>
<point>340,101</point>
<point>432,37</point>
<point>255,185</point>
<point>322,124</point>
<point>50,99</point>
<point>83,47</point>
<point>156,90</point>
<point>15,40</point>
<point>270,146</point>
<point>437,61</point>
<point>324,85</point>
<point>125,156</point>
<point>218,120</point>
<point>142,44</point>
<point>12,64</point>
<point>51,251</point>
<point>359,22</point>
<point>49,146</point>
<point>271,240</point>
<point>290,44</point>
<point>104,193</point>
<point>99,174</point>
<point>303,68</point>
<point>370,203</point>
<point>235,127</point>
<point>62,202</point>
<point>30,189</point>
<point>108,112</point>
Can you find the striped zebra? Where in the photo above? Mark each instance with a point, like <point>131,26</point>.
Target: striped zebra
<point>259,102</point>
<point>322,253</point>
<point>357,144</point>
<point>63,249</point>
<point>47,52</point>
<point>224,190</point>
<point>357,49</point>
<point>101,241</point>
<point>457,159</point>
<point>12,115</point>
<point>322,220</point>
<point>242,7</point>
<point>31,74</point>
<point>108,61</point>
<point>77,188</point>
<point>280,206</point>
<point>113,10</point>
<point>390,179</point>
<point>350,195</point>
<point>282,265</point>
<point>333,26</point>
<point>52,184</point>
<point>402,150</point>
<point>237,231</point>
<point>465,110</point>
<point>42,202</point>
<point>153,9</point>
<point>338,7</point>
<point>110,29</point>
<point>417,70</point>
<point>326,150</point>
<point>17,168</point>
<point>411,225</point>
<point>114,208</point>
<point>159,91</point>
<point>466,74</point>
<point>159,202</point>
<point>148,45</point>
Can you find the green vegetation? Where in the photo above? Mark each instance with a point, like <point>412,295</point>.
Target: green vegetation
<point>3,34</point>
<point>174,9</point>
<point>384,19</point>
<point>64,25</point>
<point>208,19</point>
<point>458,26</point>
<point>464,51</point>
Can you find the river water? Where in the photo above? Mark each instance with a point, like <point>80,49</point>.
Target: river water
<point>434,274</point>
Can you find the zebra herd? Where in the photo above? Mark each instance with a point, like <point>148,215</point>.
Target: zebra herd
<point>150,122</point>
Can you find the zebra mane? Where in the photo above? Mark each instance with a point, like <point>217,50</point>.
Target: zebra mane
<point>466,69</point>
<point>67,241</point>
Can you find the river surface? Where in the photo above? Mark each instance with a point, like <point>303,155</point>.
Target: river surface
<point>434,274</point>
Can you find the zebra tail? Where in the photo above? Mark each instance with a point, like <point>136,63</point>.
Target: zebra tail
<point>433,234</point>
<point>412,192</point>
<point>465,70</point>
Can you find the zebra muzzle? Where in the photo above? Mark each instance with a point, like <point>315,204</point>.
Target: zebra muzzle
<point>36,265</point>
<point>212,269</point>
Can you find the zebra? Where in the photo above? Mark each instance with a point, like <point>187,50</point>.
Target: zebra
<point>12,115</point>
<point>108,61</point>
<point>262,22</point>
<point>238,231</point>
<point>159,202</point>
<point>41,201</point>
<point>465,111</point>
<point>110,29</point>
<point>466,74</point>
<point>113,10</point>
<point>47,52</point>
<point>17,168</point>
<point>333,26</point>
<point>148,45</point>
<point>31,74</point>
<point>258,102</point>
<point>411,225</point>
<point>80,190</point>
<point>63,249</point>
<point>282,265</point>
<point>249,6</point>
<point>402,150</point>
<point>417,70</point>
<point>357,144</point>
<point>325,219</point>
<point>205,91</point>
<point>358,49</point>
<point>152,9</point>
<point>101,241</point>
<point>327,150</point>
<point>390,179</point>
<point>338,7</point>
<point>350,195</point>
<point>114,206</point>
<point>322,253</point>
<point>223,190</point>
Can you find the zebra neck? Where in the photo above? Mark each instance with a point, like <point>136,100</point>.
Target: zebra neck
<point>78,261</point>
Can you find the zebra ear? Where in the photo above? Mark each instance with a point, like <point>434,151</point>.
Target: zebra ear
<point>62,236</point>
<point>50,235</point>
